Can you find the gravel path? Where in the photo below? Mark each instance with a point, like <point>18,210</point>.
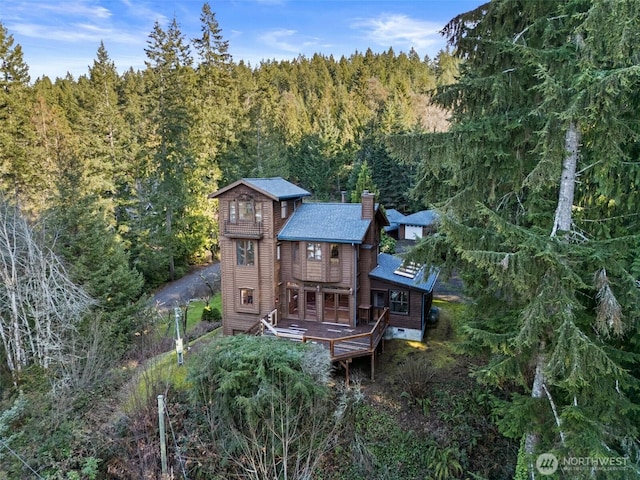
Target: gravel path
<point>196,284</point>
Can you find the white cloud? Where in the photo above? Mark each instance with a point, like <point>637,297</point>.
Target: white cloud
<point>401,30</point>
<point>75,9</point>
<point>278,39</point>
<point>74,33</point>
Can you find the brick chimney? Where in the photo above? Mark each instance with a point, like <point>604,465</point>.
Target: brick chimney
<point>368,204</point>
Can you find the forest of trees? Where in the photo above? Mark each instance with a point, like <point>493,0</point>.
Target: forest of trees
<point>524,136</point>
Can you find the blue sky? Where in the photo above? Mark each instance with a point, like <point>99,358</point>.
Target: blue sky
<point>63,36</point>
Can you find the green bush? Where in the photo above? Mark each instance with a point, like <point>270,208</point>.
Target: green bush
<point>270,405</point>
<point>211,314</point>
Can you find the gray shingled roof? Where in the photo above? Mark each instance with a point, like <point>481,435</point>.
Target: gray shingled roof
<point>388,264</point>
<point>277,187</point>
<point>394,217</point>
<point>326,222</point>
<point>422,218</point>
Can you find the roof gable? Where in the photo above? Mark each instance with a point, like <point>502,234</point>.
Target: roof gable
<point>275,188</point>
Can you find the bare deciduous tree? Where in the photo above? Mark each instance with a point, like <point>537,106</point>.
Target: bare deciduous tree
<point>39,304</point>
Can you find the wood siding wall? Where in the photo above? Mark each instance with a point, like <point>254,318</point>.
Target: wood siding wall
<point>414,318</point>
<point>269,277</point>
<point>261,277</point>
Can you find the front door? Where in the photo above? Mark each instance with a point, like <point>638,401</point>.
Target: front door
<point>336,307</point>
<point>292,302</point>
<point>311,308</point>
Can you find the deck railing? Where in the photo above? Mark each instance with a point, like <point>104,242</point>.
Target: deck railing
<point>242,229</point>
<point>340,348</point>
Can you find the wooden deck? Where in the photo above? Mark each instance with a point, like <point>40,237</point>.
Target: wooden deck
<point>343,342</point>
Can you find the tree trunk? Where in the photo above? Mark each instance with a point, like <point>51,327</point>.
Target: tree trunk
<point>562,220</point>
<point>561,223</point>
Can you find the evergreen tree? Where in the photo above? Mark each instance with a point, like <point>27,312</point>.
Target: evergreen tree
<point>545,98</point>
<point>103,129</point>
<point>173,163</point>
<point>364,183</point>
<point>17,175</point>
<point>267,405</point>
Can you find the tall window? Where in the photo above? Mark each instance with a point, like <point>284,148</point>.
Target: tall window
<point>283,209</point>
<point>258,211</point>
<point>246,211</point>
<point>244,252</point>
<point>295,251</point>
<point>335,252</point>
<point>246,296</point>
<point>314,251</point>
<point>399,301</point>
<point>233,217</point>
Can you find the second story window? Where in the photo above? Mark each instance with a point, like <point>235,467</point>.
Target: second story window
<point>335,252</point>
<point>246,210</point>
<point>314,251</point>
<point>283,209</point>
<point>295,249</point>
<point>233,217</point>
<point>244,253</point>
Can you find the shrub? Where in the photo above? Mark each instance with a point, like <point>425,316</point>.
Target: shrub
<point>417,375</point>
<point>211,314</point>
<point>269,404</point>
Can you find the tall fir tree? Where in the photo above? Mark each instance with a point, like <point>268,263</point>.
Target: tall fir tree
<point>18,177</point>
<point>172,160</point>
<point>542,115</point>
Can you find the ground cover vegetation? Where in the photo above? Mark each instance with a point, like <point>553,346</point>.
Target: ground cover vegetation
<point>104,181</point>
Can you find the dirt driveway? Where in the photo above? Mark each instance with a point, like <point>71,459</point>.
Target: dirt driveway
<point>196,284</point>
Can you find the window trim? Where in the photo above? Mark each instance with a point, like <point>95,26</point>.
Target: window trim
<point>314,251</point>
<point>245,249</point>
<point>246,210</point>
<point>393,303</point>
<point>233,211</point>
<point>335,253</point>
<point>247,297</point>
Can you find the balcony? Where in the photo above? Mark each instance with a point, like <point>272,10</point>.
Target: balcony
<point>242,229</point>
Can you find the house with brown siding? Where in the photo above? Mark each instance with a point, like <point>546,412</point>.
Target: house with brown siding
<point>302,261</point>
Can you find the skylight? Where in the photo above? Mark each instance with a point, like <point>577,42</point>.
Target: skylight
<point>409,270</point>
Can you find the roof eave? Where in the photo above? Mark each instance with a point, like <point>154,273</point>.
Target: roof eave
<point>320,240</point>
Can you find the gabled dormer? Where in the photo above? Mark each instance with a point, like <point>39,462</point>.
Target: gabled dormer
<point>257,207</point>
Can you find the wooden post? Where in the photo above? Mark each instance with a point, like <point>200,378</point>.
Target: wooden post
<point>179,344</point>
<point>163,444</point>
<point>373,364</point>
<point>345,364</point>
